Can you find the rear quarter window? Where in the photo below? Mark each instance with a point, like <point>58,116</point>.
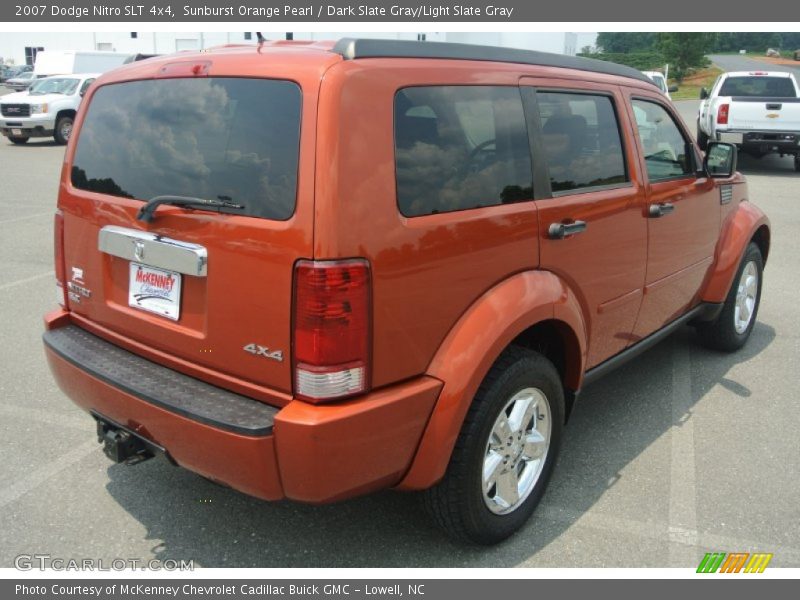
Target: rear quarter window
<point>460,147</point>
<point>213,138</point>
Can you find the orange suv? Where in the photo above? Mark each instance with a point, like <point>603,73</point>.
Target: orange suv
<point>316,270</point>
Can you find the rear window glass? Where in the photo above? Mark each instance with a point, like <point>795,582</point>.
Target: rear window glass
<point>755,86</point>
<point>581,140</point>
<point>460,147</point>
<point>212,138</point>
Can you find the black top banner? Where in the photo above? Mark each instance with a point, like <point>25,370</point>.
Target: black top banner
<point>238,11</point>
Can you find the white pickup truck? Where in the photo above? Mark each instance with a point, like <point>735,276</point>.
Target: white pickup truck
<point>759,111</point>
<point>46,109</point>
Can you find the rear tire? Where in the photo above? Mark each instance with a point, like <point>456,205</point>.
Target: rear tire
<point>505,453</point>
<point>18,140</point>
<point>733,326</point>
<point>702,138</point>
<point>63,130</point>
<point>797,162</point>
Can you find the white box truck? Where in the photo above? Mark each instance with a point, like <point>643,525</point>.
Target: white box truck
<point>54,62</point>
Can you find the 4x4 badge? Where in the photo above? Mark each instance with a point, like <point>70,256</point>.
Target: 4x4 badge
<point>257,350</point>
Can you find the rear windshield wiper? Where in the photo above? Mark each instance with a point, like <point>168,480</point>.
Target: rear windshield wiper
<point>146,213</point>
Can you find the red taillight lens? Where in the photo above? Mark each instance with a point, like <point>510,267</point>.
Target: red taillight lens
<point>58,250</point>
<point>722,114</point>
<point>332,329</point>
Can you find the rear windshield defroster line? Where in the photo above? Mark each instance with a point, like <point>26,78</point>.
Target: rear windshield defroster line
<point>216,138</point>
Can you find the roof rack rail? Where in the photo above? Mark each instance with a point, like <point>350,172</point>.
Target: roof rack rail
<point>353,49</point>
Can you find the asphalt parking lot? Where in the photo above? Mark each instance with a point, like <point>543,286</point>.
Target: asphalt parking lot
<point>681,452</point>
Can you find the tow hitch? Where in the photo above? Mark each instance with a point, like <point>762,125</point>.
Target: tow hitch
<point>122,445</point>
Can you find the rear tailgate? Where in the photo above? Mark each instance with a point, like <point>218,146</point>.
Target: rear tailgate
<point>764,114</point>
<point>761,101</point>
<point>208,291</point>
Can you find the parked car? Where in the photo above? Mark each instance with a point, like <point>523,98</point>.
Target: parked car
<point>661,81</point>
<point>9,71</point>
<point>759,111</point>
<point>313,272</point>
<point>21,81</point>
<point>6,72</point>
<point>47,109</point>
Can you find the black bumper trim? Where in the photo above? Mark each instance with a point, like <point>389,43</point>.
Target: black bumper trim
<point>160,386</point>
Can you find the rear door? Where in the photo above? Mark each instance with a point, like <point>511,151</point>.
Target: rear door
<point>591,229</point>
<point>203,291</point>
<point>683,214</point>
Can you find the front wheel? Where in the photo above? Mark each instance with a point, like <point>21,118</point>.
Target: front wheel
<point>733,326</point>
<point>63,130</point>
<point>505,452</point>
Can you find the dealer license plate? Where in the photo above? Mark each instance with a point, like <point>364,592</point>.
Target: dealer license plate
<point>16,132</point>
<point>155,290</point>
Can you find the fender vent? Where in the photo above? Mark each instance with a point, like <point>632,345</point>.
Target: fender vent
<point>725,194</point>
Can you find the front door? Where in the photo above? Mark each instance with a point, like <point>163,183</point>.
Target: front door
<point>591,230</point>
<point>682,215</point>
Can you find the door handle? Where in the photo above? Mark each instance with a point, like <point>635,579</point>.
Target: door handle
<point>661,209</point>
<point>558,231</point>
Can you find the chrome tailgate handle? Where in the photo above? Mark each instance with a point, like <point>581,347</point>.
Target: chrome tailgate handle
<point>154,250</point>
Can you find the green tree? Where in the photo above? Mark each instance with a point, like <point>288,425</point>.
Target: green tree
<point>775,41</point>
<point>626,41</point>
<point>684,51</point>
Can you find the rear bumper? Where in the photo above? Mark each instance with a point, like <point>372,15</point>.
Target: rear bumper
<point>310,453</point>
<point>785,140</point>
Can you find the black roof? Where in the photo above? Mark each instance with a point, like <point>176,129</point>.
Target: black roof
<point>353,49</point>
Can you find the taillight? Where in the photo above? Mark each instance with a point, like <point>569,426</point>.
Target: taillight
<point>332,329</point>
<point>722,114</point>
<point>58,250</point>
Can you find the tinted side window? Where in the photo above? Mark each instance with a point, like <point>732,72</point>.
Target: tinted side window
<point>581,141</point>
<point>667,153</point>
<point>460,147</point>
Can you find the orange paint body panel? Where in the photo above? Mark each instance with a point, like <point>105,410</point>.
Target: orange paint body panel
<point>428,269</point>
<point>474,344</point>
<point>448,289</point>
<point>249,282</point>
<point>741,221</point>
<point>331,452</point>
<point>310,454</point>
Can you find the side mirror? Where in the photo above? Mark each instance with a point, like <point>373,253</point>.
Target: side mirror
<point>673,88</point>
<point>703,93</point>
<point>82,93</point>
<point>721,159</point>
